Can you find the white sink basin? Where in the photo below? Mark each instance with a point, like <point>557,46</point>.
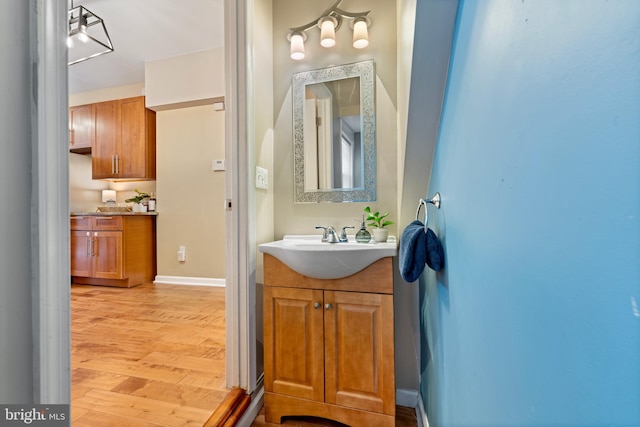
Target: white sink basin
<point>311,257</point>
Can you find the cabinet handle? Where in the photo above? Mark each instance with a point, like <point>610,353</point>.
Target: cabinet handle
<point>93,252</point>
<point>72,133</point>
<point>113,168</point>
<point>316,305</point>
<point>327,307</point>
<point>117,164</point>
<point>89,244</point>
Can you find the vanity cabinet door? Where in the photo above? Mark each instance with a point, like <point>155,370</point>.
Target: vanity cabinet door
<point>294,342</point>
<point>359,353</point>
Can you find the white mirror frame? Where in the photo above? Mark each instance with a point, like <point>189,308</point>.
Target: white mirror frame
<point>367,193</point>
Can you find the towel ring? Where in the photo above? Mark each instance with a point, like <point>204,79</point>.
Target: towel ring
<point>435,200</point>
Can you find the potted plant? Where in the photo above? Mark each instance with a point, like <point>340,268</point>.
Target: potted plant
<point>138,200</point>
<point>377,220</point>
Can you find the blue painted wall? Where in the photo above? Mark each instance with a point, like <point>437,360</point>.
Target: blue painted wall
<point>536,319</point>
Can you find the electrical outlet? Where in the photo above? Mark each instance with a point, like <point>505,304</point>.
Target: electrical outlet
<point>262,178</point>
<point>182,253</point>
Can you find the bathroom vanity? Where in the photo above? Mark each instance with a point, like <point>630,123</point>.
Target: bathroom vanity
<point>329,344</point>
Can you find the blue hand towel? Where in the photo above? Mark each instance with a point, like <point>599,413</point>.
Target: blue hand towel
<point>435,253</point>
<point>413,251</point>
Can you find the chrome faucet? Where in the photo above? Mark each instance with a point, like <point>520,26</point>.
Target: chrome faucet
<point>343,235</point>
<point>330,235</point>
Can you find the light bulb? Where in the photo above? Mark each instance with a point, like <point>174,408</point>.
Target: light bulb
<point>360,34</point>
<point>70,42</point>
<point>297,46</point>
<point>327,32</point>
<point>83,37</point>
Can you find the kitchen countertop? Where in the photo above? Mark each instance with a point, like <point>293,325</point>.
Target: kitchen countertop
<point>114,213</point>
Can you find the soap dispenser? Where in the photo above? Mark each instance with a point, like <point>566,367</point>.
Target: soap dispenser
<point>363,236</point>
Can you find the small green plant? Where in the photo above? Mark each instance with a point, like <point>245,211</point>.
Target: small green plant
<point>375,219</point>
<point>138,198</point>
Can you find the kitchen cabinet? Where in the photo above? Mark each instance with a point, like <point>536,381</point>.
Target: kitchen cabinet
<point>124,140</point>
<point>116,250</point>
<point>329,345</point>
<point>80,129</point>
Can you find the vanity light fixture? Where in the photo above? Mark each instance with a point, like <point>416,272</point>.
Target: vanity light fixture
<point>329,22</point>
<point>88,36</point>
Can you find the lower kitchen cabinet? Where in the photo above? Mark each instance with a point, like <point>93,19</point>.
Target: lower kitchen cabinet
<point>118,250</point>
<point>329,345</point>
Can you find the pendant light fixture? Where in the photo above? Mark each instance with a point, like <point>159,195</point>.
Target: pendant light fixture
<point>88,36</point>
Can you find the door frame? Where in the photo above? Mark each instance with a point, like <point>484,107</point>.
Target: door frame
<point>50,238</point>
<point>240,209</point>
<point>50,205</point>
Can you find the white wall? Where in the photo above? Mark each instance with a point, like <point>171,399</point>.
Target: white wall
<point>190,194</point>
<point>187,80</point>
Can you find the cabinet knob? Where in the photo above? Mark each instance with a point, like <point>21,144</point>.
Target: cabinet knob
<point>316,305</point>
<point>327,307</point>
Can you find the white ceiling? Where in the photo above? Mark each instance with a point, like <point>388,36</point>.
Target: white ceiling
<point>146,30</point>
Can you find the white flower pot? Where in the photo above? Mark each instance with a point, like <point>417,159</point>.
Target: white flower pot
<point>380,235</point>
<point>139,207</point>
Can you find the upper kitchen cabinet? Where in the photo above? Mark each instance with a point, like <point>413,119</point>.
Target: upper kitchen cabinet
<point>124,140</point>
<point>80,129</point>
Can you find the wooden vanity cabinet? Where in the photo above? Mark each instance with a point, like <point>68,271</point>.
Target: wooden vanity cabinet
<point>124,144</point>
<point>113,250</point>
<point>329,345</point>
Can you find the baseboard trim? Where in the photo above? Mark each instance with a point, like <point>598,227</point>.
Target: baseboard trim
<point>422,415</point>
<point>254,408</point>
<point>189,281</point>
<point>406,397</point>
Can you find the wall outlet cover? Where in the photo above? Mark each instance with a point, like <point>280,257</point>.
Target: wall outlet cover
<point>262,178</point>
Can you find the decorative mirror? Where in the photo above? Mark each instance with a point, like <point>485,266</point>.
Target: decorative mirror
<point>334,134</point>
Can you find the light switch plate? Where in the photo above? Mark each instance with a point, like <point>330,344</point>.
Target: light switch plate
<point>262,178</point>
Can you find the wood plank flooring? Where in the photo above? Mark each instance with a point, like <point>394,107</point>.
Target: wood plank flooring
<point>154,356</point>
<point>146,356</point>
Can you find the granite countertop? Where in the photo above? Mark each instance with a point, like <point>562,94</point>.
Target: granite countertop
<point>114,213</point>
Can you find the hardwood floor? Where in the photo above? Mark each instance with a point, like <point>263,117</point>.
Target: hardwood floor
<point>154,356</point>
<point>146,356</point>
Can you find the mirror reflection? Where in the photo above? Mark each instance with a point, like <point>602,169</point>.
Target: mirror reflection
<point>334,134</point>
